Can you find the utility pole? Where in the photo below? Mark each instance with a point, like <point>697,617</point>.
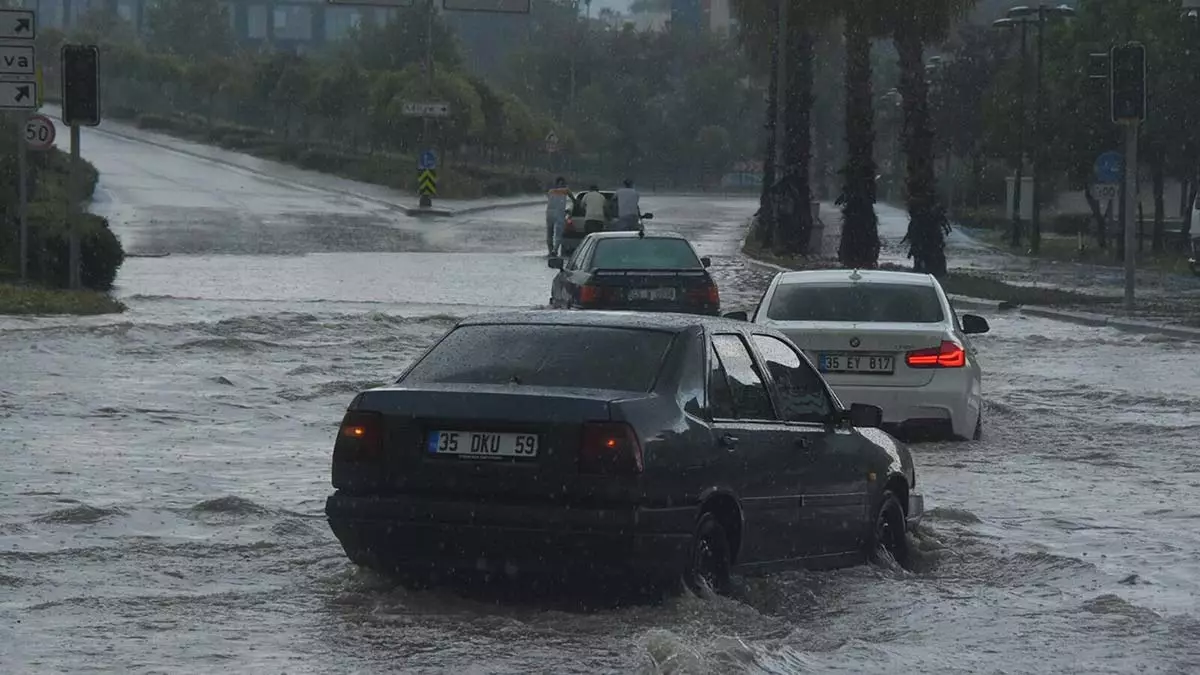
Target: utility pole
<point>23,198</point>
<point>426,137</point>
<point>1127,77</point>
<point>1035,220</point>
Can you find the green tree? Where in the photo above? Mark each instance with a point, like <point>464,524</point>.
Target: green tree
<point>859,243</point>
<point>915,24</point>
<point>192,29</point>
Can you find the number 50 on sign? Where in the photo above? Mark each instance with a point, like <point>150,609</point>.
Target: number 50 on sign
<point>39,132</point>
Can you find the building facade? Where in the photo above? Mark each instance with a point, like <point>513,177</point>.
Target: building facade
<point>285,23</point>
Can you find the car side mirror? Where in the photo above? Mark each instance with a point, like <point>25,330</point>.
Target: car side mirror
<point>973,324</point>
<point>555,263</point>
<point>737,316</point>
<point>706,261</point>
<point>864,415</point>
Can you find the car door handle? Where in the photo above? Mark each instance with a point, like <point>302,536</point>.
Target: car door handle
<point>729,441</point>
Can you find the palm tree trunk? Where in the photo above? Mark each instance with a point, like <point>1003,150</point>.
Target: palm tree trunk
<point>859,246</point>
<point>765,223</point>
<point>793,219</point>
<point>927,224</point>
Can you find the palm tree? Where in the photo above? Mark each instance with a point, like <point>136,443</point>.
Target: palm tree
<point>914,24</point>
<point>859,244</point>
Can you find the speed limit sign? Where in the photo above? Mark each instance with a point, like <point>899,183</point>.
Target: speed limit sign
<point>39,132</point>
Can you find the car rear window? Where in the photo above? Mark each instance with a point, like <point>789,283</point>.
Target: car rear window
<point>588,357</point>
<point>648,253</point>
<point>876,302</point>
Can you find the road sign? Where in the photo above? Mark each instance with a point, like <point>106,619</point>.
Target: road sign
<point>1106,192</point>
<point>1127,78</point>
<point>17,24</point>
<point>427,182</point>
<point>427,160</point>
<point>17,60</point>
<point>501,6</point>
<point>81,85</point>
<point>551,142</point>
<point>1109,167</point>
<point>39,132</point>
<point>426,109</point>
<point>18,96</point>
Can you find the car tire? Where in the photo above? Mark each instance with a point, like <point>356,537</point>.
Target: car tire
<point>709,560</point>
<point>889,531</point>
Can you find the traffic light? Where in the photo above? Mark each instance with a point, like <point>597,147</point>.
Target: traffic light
<point>1127,77</point>
<point>81,85</point>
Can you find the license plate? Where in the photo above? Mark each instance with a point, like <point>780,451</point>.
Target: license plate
<point>651,294</point>
<point>884,364</point>
<point>483,444</point>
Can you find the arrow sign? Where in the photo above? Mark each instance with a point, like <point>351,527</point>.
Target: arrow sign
<point>17,60</point>
<point>427,182</point>
<point>18,96</point>
<point>428,160</point>
<point>17,24</point>
<point>1109,167</point>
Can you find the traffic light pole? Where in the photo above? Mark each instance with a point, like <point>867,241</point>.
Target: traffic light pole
<point>1131,201</point>
<point>23,198</point>
<point>73,212</point>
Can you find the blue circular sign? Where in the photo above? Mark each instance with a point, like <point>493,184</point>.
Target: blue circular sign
<point>428,160</point>
<point>1109,167</point>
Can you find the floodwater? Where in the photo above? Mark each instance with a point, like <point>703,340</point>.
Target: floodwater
<point>165,471</point>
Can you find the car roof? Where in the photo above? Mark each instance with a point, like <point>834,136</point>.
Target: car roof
<point>636,235</point>
<point>660,321</point>
<point>855,276</point>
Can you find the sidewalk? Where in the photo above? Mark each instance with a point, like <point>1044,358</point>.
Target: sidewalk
<point>1167,304</point>
<point>402,201</point>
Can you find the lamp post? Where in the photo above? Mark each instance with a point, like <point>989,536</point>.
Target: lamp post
<point>1025,16</point>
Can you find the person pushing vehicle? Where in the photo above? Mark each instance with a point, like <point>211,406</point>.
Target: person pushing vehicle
<point>556,214</point>
<point>629,210</point>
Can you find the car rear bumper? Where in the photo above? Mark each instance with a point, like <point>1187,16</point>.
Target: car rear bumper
<point>399,534</point>
<point>944,406</point>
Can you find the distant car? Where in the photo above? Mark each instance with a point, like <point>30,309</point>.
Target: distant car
<point>890,339</point>
<point>635,271</point>
<point>642,446</point>
<point>573,229</point>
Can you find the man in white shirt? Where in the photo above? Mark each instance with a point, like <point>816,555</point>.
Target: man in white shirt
<point>629,210</point>
<point>593,211</point>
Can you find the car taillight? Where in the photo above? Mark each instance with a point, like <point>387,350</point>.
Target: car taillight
<point>948,355</point>
<point>360,438</point>
<point>707,295</point>
<point>610,448</point>
<point>589,294</point>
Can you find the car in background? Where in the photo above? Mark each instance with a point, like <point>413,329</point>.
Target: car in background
<point>890,339</point>
<point>635,447</point>
<point>635,271</point>
<point>573,228</point>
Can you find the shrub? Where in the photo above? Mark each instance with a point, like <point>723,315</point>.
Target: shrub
<point>100,250</point>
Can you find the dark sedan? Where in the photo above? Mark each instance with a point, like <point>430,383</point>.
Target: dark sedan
<point>635,271</point>
<point>650,446</point>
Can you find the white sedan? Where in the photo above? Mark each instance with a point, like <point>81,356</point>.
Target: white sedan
<point>889,339</point>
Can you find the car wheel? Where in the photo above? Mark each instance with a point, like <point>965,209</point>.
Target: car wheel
<point>709,563</point>
<point>978,435</point>
<point>889,532</point>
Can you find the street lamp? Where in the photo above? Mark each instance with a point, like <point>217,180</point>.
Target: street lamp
<point>1025,16</point>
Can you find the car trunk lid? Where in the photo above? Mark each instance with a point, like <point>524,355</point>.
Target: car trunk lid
<point>862,353</point>
<point>652,289</point>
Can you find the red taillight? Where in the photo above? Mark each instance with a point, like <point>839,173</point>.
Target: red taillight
<point>707,295</point>
<point>948,355</point>
<point>610,448</point>
<point>589,294</point>
<point>360,437</point>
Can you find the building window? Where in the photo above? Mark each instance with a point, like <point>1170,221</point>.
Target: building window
<point>293,22</point>
<point>256,22</point>
<point>339,21</point>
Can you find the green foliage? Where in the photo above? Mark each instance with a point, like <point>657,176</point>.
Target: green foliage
<point>192,29</point>
<point>32,300</point>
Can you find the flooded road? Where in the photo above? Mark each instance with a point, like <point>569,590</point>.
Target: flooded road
<point>166,470</point>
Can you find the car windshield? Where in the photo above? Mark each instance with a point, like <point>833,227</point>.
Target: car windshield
<point>648,253</point>
<point>864,303</point>
<point>577,357</point>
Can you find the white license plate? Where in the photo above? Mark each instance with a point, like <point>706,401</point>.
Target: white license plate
<point>651,294</point>
<point>483,444</point>
<point>857,363</point>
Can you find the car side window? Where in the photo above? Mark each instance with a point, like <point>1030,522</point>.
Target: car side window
<point>577,258</point>
<point>802,396</point>
<point>750,398</point>
<point>720,396</point>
